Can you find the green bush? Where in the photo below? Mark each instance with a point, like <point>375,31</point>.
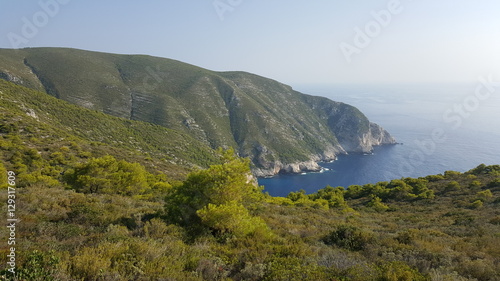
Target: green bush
<point>333,195</point>
<point>349,237</point>
<point>293,269</point>
<point>484,195</point>
<point>453,186</point>
<point>106,175</point>
<point>39,266</point>
<point>376,204</point>
<point>217,198</point>
<point>232,218</point>
<point>399,271</point>
<point>476,204</point>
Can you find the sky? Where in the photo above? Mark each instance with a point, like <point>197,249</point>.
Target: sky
<point>293,41</point>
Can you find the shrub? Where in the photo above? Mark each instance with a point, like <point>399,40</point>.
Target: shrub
<point>296,196</point>
<point>399,271</point>
<point>3,176</point>
<point>484,195</point>
<point>476,204</point>
<point>230,218</point>
<point>451,174</point>
<point>349,237</point>
<point>107,175</point>
<point>407,237</point>
<point>252,271</point>
<point>283,201</point>
<point>495,220</point>
<point>376,204</point>
<point>494,183</point>
<point>354,192</point>
<point>217,198</point>
<point>453,186</point>
<point>293,269</point>
<point>435,178</point>
<point>334,196</point>
<point>475,184</point>
<point>480,269</point>
<point>39,266</point>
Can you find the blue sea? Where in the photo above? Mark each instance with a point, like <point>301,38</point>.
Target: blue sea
<point>440,128</point>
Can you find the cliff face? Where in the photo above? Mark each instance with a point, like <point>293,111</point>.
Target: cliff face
<point>279,129</point>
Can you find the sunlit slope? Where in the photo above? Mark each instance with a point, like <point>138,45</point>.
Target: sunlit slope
<point>263,119</point>
<point>43,121</point>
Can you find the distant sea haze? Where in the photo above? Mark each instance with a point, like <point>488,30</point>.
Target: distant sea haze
<point>440,128</point>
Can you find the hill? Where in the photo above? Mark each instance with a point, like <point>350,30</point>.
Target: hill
<point>92,201</point>
<point>279,129</point>
<point>45,125</point>
<point>104,219</point>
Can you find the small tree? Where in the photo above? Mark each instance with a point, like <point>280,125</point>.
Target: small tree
<point>484,195</point>
<point>376,204</point>
<point>349,237</point>
<point>334,196</point>
<point>217,197</point>
<point>453,186</point>
<point>110,176</point>
<point>231,217</point>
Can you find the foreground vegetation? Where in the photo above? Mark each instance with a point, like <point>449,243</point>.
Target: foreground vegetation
<point>92,209</point>
<point>109,219</point>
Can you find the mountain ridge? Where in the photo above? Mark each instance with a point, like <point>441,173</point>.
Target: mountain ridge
<point>278,128</point>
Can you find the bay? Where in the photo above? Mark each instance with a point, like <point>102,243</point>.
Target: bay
<point>441,127</point>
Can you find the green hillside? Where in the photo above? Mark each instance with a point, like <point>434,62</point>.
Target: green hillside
<point>278,128</point>
<point>47,125</point>
<point>105,198</point>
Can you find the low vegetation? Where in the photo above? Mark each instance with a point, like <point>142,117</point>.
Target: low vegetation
<point>92,210</point>
<point>109,219</point>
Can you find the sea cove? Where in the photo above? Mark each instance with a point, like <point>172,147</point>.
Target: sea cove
<point>416,116</point>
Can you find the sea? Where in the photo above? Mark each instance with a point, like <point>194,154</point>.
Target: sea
<point>438,127</point>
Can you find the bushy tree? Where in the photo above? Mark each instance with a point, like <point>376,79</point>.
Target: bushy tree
<point>217,197</point>
<point>400,190</point>
<point>349,237</point>
<point>231,217</point>
<point>453,186</point>
<point>334,196</point>
<point>107,175</point>
<point>297,196</point>
<point>376,204</point>
<point>38,266</point>
<point>355,192</point>
<point>484,195</point>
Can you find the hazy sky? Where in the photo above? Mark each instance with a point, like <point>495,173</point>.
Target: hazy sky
<point>292,41</point>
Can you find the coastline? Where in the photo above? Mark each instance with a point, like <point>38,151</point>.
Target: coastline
<point>306,167</point>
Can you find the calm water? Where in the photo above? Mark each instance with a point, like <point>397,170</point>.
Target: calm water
<point>441,127</point>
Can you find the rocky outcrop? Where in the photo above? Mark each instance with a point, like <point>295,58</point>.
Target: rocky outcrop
<point>9,77</point>
<point>293,168</point>
<point>268,168</point>
<point>379,136</point>
<point>274,168</point>
<point>364,143</point>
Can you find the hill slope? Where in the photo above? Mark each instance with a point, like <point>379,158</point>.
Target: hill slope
<point>82,216</point>
<point>278,128</point>
<point>49,125</point>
